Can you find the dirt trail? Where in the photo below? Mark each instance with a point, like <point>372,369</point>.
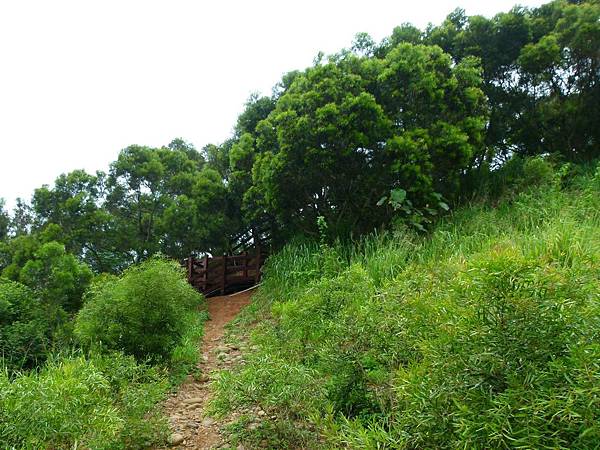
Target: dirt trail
<point>190,427</point>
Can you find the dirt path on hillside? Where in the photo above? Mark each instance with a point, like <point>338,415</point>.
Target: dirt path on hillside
<point>191,428</point>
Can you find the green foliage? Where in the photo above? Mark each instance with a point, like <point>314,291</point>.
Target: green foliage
<point>483,334</point>
<point>73,203</point>
<point>4,221</point>
<point>164,199</point>
<point>184,356</point>
<point>257,108</point>
<point>153,200</point>
<point>517,175</point>
<point>57,276</point>
<point>540,75</point>
<point>107,399</point>
<point>22,219</point>
<point>195,220</point>
<point>344,133</point>
<point>433,113</point>
<point>24,327</point>
<point>144,313</point>
<point>50,288</point>
<point>104,402</point>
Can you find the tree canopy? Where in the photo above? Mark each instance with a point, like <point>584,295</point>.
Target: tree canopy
<point>381,132</point>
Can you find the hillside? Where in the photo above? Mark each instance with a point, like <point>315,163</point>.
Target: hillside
<point>484,334</point>
<point>431,207</point>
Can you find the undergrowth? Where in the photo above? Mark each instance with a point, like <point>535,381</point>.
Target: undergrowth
<point>483,334</point>
<point>100,402</point>
<point>140,335</point>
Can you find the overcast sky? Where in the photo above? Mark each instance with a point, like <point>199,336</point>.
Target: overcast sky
<point>82,79</point>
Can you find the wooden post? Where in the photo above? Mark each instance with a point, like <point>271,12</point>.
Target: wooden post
<point>205,276</point>
<point>224,280</point>
<point>257,262</point>
<point>190,268</point>
<point>245,264</point>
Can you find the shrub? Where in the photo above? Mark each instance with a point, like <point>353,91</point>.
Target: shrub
<point>144,313</point>
<point>536,172</point>
<point>104,402</point>
<point>501,326</point>
<point>24,330</point>
<point>517,175</point>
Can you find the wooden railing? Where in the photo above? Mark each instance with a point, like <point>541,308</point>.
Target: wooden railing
<point>227,273</point>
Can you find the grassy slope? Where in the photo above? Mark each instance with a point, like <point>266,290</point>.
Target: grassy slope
<point>484,334</point>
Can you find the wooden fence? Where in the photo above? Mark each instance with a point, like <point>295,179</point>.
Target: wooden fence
<point>227,273</point>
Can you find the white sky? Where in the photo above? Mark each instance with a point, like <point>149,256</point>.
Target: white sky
<point>82,79</point>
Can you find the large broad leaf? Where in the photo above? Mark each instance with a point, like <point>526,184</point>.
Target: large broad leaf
<point>397,196</point>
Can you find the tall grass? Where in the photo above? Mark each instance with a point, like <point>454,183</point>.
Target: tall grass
<point>103,402</point>
<point>484,334</point>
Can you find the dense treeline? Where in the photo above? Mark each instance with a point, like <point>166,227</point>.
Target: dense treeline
<point>396,130</point>
<point>378,136</point>
<point>422,115</point>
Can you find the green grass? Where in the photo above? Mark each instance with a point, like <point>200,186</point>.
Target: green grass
<point>100,402</point>
<point>185,355</point>
<point>483,334</point>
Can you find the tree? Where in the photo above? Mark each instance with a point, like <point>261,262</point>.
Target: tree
<point>561,70</point>
<point>196,221</point>
<point>179,145</point>
<point>164,200</point>
<point>22,219</point>
<point>75,204</point>
<point>4,221</point>
<point>137,192</point>
<point>58,277</point>
<point>217,157</point>
<point>346,133</point>
<point>18,250</point>
<point>404,33</point>
<point>257,108</point>
<point>363,44</point>
<point>439,112</point>
<point>541,76</point>
<point>314,148</point>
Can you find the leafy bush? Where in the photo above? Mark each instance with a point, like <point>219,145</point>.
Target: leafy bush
<point>108,399</point>
<point>104,402</point>
<point>515,176</point>
<point>35,311</point>
<point>57,275</point>
<point>24,329</point>
<point>144,313</point>
<point>482,335</point>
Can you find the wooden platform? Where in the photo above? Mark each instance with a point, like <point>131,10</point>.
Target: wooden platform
<point>225,274</point>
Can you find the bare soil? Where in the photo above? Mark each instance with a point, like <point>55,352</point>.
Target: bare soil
<point>186,408</point>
